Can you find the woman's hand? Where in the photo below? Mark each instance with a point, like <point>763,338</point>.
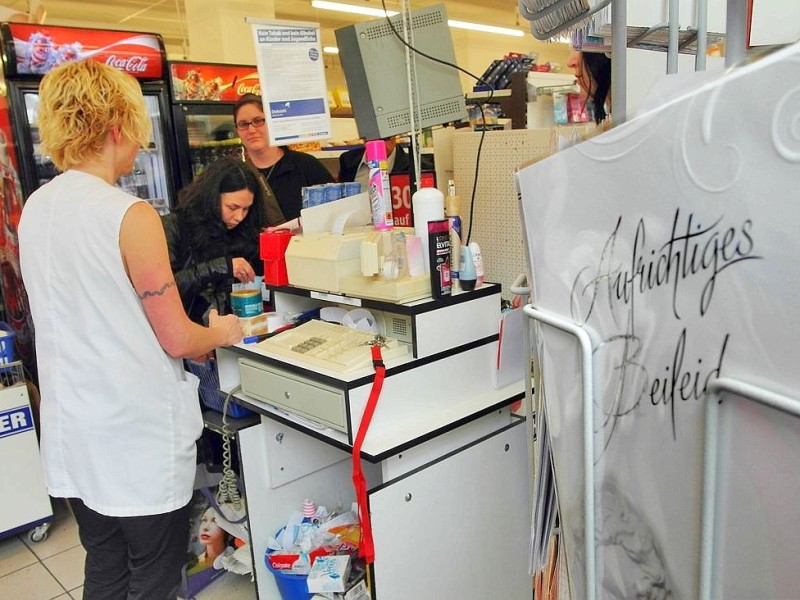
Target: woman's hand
<point>227,326</point>
<point>242,270</point>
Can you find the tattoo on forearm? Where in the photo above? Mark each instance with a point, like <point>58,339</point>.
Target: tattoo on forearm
<point>161,292</point>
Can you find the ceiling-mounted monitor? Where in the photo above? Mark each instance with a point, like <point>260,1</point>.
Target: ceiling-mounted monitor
<point>374,63</point>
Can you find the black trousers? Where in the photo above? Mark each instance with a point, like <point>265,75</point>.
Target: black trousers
<point>132,558</point>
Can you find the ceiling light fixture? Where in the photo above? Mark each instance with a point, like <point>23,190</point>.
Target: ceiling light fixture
<point>351,8</point>
<point>378,12</point>
<point>485,28</point>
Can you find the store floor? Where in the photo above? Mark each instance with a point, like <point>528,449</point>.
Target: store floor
<point>53,568</point>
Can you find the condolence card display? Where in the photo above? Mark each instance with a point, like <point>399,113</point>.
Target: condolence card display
<point>673,241</point>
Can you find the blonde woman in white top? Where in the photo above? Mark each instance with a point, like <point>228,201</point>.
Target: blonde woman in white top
<point>119,416</point>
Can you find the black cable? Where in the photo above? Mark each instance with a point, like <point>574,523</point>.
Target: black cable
<point>477,102</point>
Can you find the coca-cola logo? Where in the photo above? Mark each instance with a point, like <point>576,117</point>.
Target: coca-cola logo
<point>129,64</point>
<point>243,89</point>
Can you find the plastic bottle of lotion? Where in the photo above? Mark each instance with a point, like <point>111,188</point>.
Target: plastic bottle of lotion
<point>466,274</point>
<point>427,205</point>
<point>477,260</point>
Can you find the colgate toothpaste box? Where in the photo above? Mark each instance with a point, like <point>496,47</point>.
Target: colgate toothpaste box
<point>294,562</point>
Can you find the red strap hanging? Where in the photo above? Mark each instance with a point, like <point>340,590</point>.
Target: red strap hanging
<point>366,548</point>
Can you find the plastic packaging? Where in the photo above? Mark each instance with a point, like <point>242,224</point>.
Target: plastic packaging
<point>451,210</point>
<point>427,205</point>
<point>466,274</point>
<point>439,244</point>
<point>380,196</point>
<point>477,261</point>
<point>309,510</point>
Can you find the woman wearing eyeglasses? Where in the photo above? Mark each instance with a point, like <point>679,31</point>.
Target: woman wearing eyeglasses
<point>284,172</point>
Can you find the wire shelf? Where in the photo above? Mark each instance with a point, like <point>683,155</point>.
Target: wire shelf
<point>11,373</point>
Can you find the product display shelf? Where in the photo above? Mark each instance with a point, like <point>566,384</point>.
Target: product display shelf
<point>443,449</point>
<point>513,101</point>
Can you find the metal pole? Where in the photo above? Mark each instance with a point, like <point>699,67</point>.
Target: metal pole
<point>702,35</point>
<point>735,32</point>
<point>674,30</point>
<point>619,47</point>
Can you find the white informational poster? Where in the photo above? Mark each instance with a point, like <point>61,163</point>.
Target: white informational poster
<point>293,88</point>
<point>674,241</point>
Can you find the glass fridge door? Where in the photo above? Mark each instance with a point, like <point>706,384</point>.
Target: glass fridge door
<point>148,180</point>
<point>211,137</point>
<point>45,169</point>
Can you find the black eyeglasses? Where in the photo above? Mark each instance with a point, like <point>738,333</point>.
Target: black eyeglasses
<point>244,125</point>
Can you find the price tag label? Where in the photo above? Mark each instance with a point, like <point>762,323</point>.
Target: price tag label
<point>401,197</point>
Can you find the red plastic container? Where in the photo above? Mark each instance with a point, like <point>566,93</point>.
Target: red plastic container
<point>273,248</point>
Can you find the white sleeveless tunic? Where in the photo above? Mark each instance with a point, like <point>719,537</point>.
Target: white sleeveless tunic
<point>119,417</point>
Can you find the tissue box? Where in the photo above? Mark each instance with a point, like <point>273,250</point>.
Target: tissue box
<point>359,591</point>
<point>329,574</point>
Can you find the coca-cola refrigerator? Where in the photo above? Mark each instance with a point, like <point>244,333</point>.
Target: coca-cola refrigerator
<point>14,310</point>
<point>28,51</point>
<point>31,50</point>
<point>203,95</point>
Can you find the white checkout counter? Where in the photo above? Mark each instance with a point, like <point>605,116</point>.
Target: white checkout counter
<point>445,460</point>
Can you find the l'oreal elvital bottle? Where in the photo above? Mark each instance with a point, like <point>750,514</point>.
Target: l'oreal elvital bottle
<point>380,197</point>
<point>439,248</point>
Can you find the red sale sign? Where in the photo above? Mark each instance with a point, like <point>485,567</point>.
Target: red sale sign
<point>40,48</point>
<point>401,196</point>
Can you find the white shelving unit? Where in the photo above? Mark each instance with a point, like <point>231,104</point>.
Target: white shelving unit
<point>445,460</point>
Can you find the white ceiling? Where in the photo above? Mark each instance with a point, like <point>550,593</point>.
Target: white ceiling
<point>167,17</point>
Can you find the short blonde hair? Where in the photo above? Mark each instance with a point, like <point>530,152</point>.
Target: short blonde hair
<point>79,103</point>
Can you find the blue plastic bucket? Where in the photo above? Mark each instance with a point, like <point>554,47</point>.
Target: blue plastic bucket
<point>291,587</point>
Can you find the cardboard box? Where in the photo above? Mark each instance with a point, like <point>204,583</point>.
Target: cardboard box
<point>357,590</point>
<point>329,574</point>
<point>280,561</point>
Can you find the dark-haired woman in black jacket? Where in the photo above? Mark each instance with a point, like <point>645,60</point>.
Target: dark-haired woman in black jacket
<point>593,75</point>
<point>213,236</point>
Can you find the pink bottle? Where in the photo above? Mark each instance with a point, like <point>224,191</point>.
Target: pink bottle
<point>380,196</point>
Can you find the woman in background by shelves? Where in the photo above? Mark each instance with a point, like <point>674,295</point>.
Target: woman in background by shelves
<point>283,172</point>
<point>213,236</point>
<point>593,73</point>
<point>353,166</point>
